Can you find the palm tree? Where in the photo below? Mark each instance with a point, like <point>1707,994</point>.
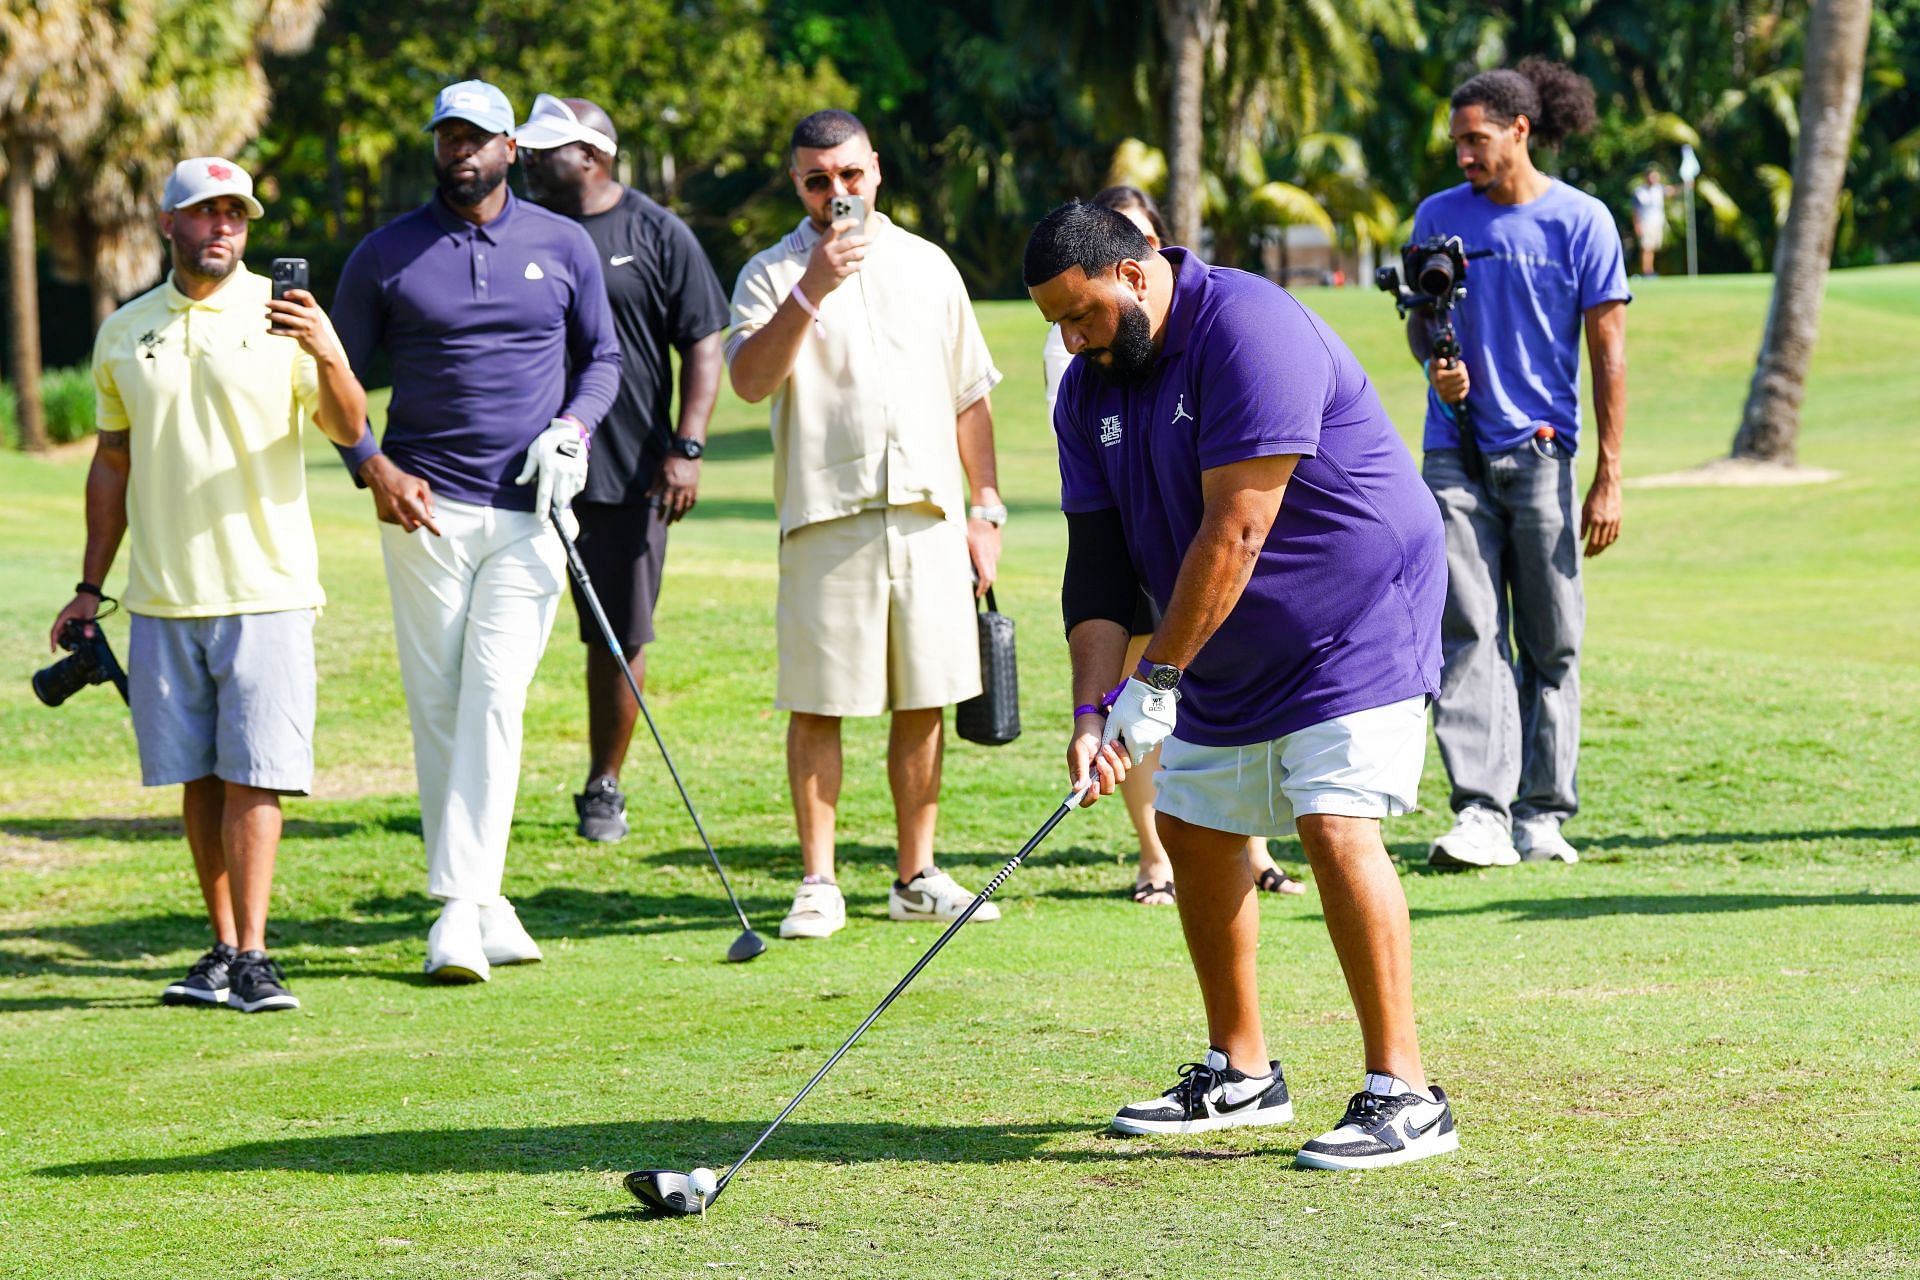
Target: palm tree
<point>1189,27</point>
<point>1829,98</point>
<point>200,91</point>
<point>61,64</point>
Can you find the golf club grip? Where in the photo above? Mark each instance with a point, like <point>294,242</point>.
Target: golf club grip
<point>579,568</point>
<point>1000,878</point>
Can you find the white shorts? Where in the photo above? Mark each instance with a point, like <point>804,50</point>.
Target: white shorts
<point>1365,764</point>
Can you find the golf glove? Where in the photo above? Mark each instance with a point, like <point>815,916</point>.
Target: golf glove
<point>1141,718</point>
<point>557,463</point>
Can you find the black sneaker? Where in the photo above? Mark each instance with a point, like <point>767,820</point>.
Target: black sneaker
<point>258,984</point>
<point>602,810</point>
<point>1393,1126</point>
<point>1210,1095</point>
<point>206,982</point>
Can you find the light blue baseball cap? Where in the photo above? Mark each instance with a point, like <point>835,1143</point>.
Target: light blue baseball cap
<point>476,102</point>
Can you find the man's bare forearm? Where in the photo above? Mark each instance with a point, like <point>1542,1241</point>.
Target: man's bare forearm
<point>1607,349</point>
<point>1242,500</point>
<point>700,366</point>
<point>1097,650</point>
<point>342,413</point>
<point>975,429</point>
<point>106,505</point>
<point>765,360</point>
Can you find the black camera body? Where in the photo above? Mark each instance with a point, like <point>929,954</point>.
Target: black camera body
<point>89,660</point>
<point>1432,274</point>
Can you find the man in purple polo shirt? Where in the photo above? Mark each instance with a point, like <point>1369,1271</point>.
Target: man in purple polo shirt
<point>494,315</point>
<point>1221,447</point>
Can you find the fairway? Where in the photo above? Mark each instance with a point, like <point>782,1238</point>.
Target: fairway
<point>1697,1052</point>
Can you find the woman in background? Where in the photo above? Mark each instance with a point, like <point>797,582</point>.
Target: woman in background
<point>1153,883</point>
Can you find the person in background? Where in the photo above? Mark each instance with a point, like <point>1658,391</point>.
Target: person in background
<point>1153,883</point>
<point>203,386</point>
<point>644,474</point>
<point>494,313</point>
<point>1650,218</point>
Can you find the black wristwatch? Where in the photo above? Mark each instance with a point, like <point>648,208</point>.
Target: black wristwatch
<point>687,448</point>
<point>1158,675</point>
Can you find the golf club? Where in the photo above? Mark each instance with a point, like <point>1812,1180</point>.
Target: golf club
<point>749,944</point>
<point>673,1192</point>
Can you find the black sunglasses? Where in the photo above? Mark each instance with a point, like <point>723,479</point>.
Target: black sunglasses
<point>819,183</point>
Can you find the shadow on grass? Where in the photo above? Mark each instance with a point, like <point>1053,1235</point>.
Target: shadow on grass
<point>1542,910</point>
<point>620,1146</point>
<point>136,830</point>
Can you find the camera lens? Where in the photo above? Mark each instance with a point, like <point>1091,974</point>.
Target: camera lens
<point>54,684</point>
<point>1436,275</point>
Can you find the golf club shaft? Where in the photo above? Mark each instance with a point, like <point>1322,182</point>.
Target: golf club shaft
<point>1013,863</point>
<point>579,568</point>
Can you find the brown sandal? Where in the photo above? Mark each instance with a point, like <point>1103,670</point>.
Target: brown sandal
<point>1143,892</point>
<point>1274,880</point>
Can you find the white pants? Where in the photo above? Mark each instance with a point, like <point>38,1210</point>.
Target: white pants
<point>472,610</point>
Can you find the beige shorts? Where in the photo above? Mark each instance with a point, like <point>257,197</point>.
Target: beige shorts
<point>876,614</point>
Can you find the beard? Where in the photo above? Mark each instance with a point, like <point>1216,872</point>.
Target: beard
<point>1130,354</point>
<point>199,259</point>
<point>465,193</point>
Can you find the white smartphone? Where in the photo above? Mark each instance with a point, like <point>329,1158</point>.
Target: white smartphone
<point>849,209</point>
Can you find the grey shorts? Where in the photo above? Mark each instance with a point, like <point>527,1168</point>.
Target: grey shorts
<point>231,696</point>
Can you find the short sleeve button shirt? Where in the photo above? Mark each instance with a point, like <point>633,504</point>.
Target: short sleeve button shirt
<point>866,418</point>
<point>213,406</point>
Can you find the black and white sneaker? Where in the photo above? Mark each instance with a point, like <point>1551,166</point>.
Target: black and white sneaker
<point>603,810</point>
<point>1386,1123</point>
<point>206,982</point>
<point>1211,1095</point>
<point>259,986</point>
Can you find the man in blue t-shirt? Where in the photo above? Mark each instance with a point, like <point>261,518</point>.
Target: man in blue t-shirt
<point>1221,447</point>
<point>1503,425</point>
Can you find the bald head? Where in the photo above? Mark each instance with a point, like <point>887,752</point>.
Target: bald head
<point>574,178</point>
<point>590,115</point>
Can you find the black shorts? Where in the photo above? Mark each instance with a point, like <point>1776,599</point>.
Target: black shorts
<point>1146,618</point>
<point>625,549</point>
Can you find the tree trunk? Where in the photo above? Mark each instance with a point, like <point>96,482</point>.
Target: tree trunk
<point>1188,26</point>
<point>1829,99</point>
<point>24,296</point>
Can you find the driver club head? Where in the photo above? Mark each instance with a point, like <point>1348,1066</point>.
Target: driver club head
<point>746,947</point>
<point>666,1191</point>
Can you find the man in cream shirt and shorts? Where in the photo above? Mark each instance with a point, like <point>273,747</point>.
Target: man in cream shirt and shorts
<point>863,335</point>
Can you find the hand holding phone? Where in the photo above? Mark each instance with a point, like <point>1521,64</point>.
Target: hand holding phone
<point>840,251</point>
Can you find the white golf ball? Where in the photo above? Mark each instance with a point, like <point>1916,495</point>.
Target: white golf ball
<point>703,1183</point>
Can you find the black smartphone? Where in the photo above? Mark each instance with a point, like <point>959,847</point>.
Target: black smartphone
<point>288,273</point>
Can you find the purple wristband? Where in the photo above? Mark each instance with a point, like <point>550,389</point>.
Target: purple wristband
<point>1087,709</point>
<point>1110,696</point>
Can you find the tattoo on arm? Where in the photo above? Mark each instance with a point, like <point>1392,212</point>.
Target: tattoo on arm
<point>113,441</point>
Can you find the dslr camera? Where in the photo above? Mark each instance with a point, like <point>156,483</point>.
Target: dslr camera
<point>1432,274</point>
<point>89,660</point>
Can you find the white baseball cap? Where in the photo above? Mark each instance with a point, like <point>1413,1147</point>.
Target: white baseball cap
<point>203,178</point>
<point>554,124</point>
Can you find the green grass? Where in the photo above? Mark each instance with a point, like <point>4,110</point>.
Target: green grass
<point>1694,1053</point>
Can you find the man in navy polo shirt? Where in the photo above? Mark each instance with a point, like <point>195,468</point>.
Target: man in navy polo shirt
<point>1221,447</point>
<point>494,315</point>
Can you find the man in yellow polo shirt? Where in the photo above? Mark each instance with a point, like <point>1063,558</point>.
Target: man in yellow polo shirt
<point>203,386</point>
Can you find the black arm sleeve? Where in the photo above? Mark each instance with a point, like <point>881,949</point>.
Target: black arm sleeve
<point>1100,581</point>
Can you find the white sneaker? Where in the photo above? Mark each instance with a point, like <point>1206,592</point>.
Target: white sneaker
<point>1479,839</point>
<point>504,939</point>
<point>934,895</point>
<point>1539,840</point>
<point>1386,1123</point>
<point>819,911</point>
<point>1211,1095</point>
<point>455,952</point>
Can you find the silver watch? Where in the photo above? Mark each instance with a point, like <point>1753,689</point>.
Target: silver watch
<point>995,515</point>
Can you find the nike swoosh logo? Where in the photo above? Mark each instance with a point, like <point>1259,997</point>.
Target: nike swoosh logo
<point>620,261</point>
<point>1417,1131</point>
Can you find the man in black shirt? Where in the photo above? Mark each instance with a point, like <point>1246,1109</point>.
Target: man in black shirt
<point>645,471</point>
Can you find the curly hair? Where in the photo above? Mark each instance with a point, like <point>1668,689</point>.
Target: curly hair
<point>1556,100</point>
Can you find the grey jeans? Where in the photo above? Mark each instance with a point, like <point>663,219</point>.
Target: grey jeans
<point>1508,718</point>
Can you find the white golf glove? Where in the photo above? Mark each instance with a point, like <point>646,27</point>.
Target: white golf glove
<point>557,463</point>
<point>1141,718</point>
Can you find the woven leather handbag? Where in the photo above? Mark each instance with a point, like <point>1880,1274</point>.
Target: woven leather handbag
<point>992,719</point>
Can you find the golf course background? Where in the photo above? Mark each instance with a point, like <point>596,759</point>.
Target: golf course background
<point>1696,1052</point>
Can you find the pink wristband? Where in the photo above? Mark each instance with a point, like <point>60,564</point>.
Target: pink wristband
<point>806,305</point>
